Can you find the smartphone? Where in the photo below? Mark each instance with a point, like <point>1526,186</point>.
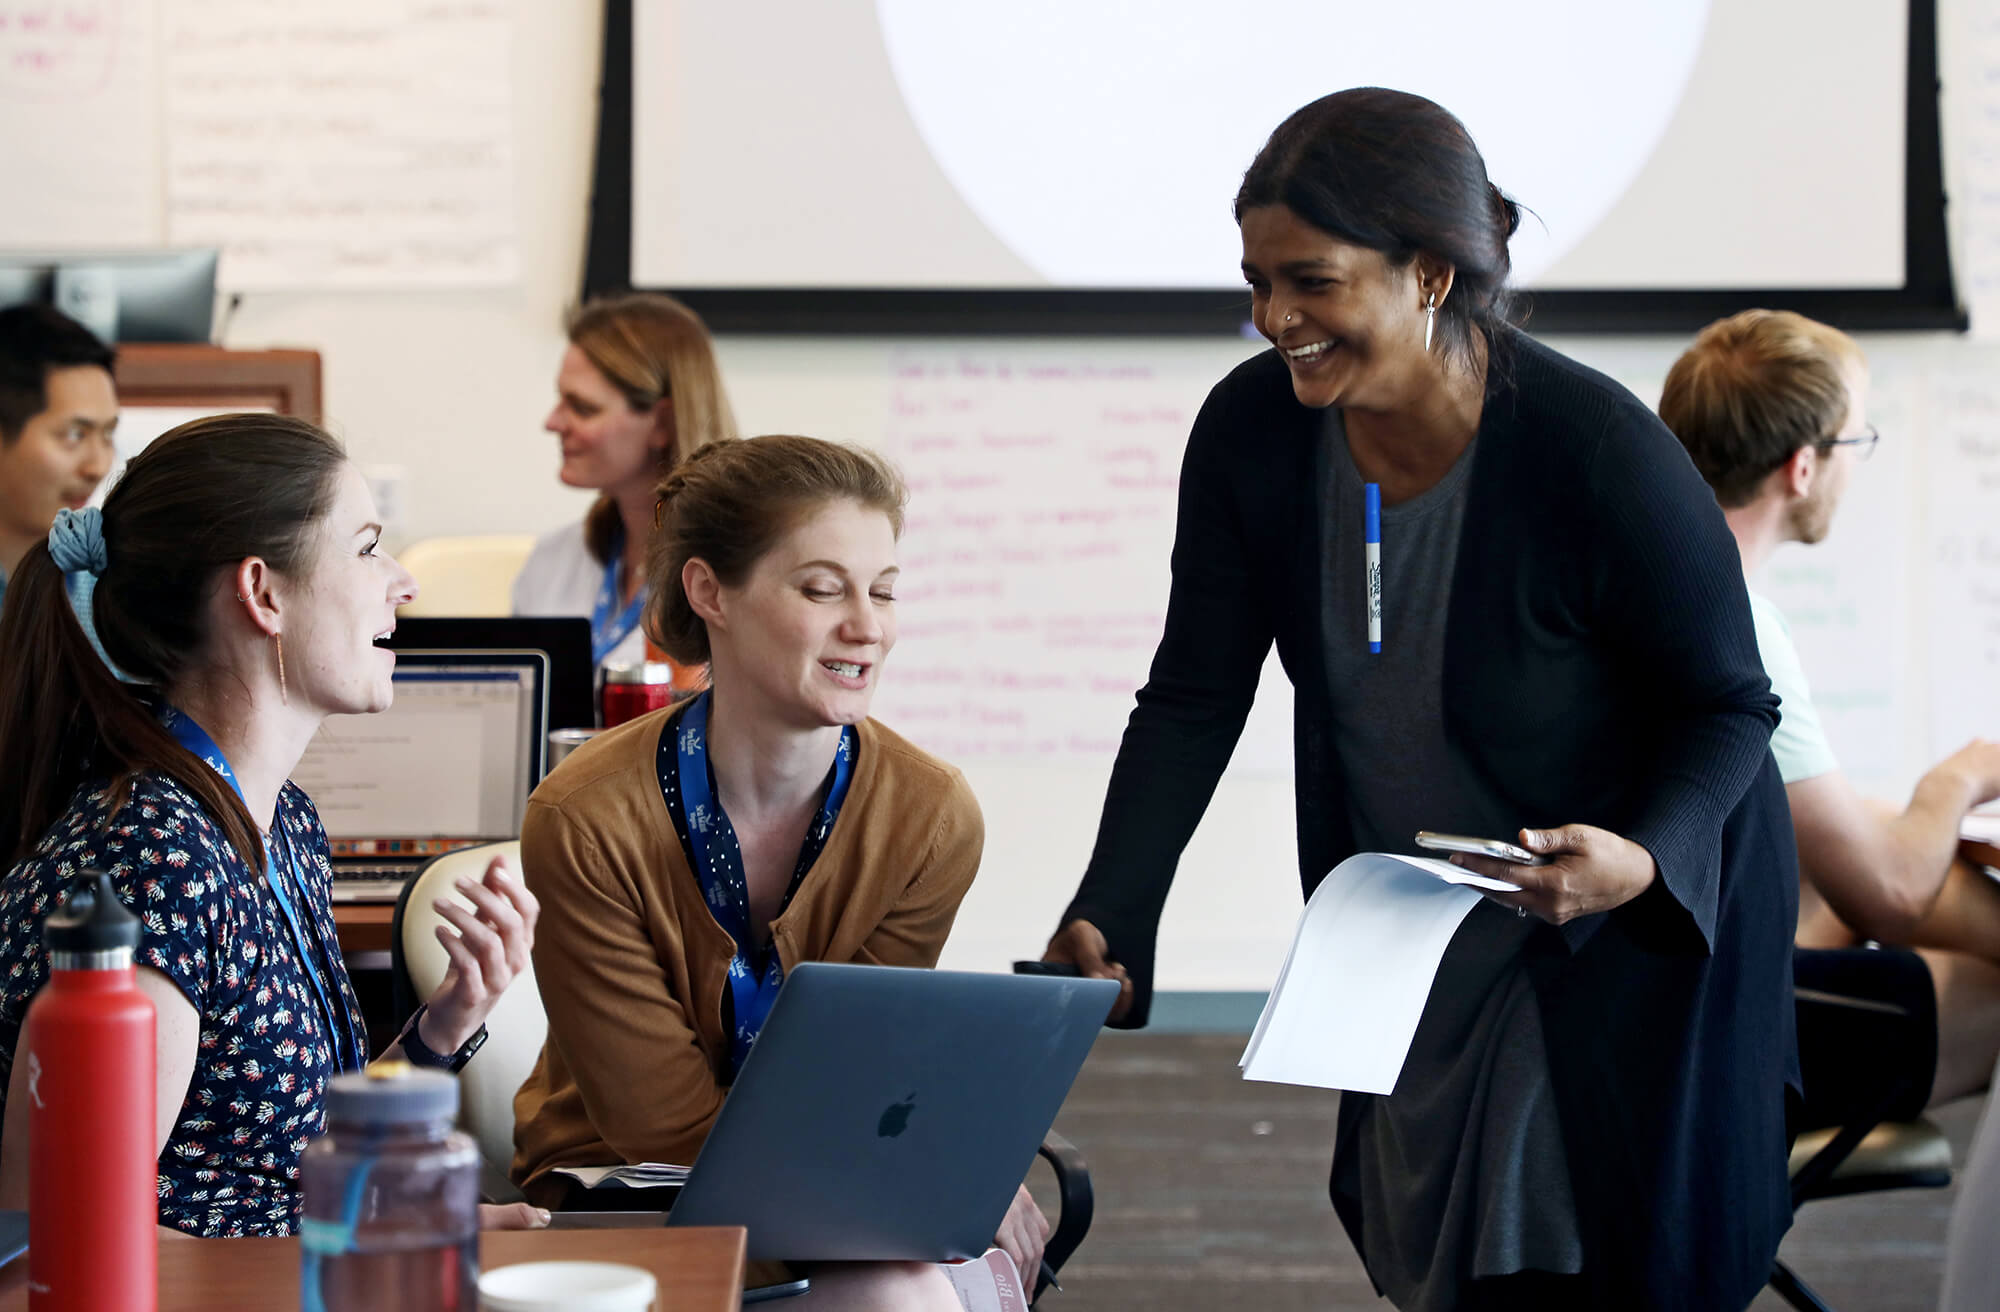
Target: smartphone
<point>1045,968</point>
<point>1489,847</point>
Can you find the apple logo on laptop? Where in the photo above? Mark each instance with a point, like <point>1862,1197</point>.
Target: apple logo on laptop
<point>896,1118</point>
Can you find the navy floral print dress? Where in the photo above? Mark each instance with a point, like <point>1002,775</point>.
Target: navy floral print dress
<point>210,924</point>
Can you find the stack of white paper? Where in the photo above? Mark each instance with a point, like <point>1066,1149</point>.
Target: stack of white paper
<point>1981,827</point>
<point>639,1175</point>
<point>1352,989</point>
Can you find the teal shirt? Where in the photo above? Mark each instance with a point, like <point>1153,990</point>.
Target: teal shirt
<point>1799,744</point>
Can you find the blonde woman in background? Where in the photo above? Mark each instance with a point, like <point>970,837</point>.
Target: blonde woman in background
<point>638,392</point>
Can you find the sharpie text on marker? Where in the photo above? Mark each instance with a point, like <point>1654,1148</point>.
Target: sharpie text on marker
<point>1372,513</point>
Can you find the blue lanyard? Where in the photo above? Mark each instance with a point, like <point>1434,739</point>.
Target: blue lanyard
<point>718,865</point>
<point>196,739</point>
<point>607,629</point>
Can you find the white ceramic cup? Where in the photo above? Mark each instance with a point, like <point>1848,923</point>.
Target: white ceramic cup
<point>567,1287</point>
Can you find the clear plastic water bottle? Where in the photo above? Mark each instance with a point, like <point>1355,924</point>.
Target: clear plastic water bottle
<point>391,1198</point>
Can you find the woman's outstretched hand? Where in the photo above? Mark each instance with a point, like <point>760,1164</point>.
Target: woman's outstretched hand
<point>488,945</point>
<point>1589,870</point>
<point>1081,944</point>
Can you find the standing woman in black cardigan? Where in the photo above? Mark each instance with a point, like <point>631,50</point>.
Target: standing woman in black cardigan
<point>1593,1112</point>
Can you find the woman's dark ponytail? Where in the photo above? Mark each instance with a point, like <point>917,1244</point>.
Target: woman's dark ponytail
<point>54,696</point>
<point>1398,174</point>
<point>199,500</point>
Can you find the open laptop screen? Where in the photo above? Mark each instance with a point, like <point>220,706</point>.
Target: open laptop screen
<point>449,764</point>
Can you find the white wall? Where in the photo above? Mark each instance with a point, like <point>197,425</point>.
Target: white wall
<point>451,388</point>
<point>452,385</point>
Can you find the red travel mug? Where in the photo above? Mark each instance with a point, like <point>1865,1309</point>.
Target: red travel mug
<point>632,690</point>
<point>93,1156</point>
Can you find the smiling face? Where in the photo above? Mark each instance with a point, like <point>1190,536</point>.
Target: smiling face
<point>606,444</point>
<point>803,639</point>
<point>59,456</point>
<point>1349,324</point>
<point>345,603</point>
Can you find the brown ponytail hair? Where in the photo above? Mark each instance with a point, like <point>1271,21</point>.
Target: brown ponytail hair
<point>652,349</point>
<point>730,502</point>
<point>190,507</point>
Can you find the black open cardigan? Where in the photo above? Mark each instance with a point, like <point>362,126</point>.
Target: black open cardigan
<point>1600,668</point>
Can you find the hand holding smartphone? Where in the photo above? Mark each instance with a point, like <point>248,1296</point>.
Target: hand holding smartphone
<point>1486,847</point>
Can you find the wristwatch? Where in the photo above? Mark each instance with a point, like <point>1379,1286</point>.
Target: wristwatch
<point>420,1053</point>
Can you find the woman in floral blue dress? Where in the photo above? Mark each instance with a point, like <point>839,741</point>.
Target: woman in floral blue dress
<point>241,584</point>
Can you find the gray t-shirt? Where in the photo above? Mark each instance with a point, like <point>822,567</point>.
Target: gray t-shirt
<point>1388,706</point>
<point>1461,1172</point>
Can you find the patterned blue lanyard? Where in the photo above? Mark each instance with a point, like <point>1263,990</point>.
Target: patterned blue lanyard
<point>196,739</point>
<point>718,865</point>
<point>610,626</point>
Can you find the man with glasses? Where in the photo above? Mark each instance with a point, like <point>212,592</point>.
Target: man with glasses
<point>1773,408</point>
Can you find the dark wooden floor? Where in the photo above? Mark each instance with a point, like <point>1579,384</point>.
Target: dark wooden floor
<point>1211,1193</point>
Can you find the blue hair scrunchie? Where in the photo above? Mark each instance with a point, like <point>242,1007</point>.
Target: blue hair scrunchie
<point>76,541</point>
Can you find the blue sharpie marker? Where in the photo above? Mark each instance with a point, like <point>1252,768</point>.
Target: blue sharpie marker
<point>1372,502</point>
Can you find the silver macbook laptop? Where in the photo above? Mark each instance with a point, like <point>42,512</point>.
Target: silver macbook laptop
<point>888,1113</point>
<point>449,765</point>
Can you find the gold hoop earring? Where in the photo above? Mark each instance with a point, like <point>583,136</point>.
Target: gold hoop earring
<point>278,641</point>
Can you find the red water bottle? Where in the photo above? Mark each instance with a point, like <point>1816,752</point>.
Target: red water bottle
<point>93,1156</point>
<point>630,691</point>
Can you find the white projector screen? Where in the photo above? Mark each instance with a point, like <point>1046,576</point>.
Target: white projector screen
<point>1673,147</point>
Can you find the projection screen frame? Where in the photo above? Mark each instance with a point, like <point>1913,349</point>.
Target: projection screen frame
<point>1927,302</point>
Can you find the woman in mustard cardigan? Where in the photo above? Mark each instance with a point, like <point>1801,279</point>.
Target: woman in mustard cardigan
<point>820,835</point>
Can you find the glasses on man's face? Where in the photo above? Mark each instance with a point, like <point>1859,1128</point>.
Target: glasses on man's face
<point>1865,441</point>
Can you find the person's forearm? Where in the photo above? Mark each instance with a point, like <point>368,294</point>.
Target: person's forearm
<point>1926,837</point>
<point>1965,915</point>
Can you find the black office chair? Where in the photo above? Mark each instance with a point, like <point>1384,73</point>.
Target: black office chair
<point>1865,1154</point>
<point>1076,1203</point>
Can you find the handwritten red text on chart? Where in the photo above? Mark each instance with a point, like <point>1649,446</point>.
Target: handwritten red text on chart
<point>1035,553</point>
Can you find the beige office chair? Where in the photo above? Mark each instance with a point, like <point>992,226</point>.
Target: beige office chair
<point>514,1030</point>
<point>470,576</point>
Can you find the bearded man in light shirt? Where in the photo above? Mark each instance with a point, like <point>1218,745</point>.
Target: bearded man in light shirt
<point>1773,408</point>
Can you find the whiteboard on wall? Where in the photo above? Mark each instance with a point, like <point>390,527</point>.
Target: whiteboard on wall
<point>1043,488</point>
<point>1964,557</point>
<point>318,143</point>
